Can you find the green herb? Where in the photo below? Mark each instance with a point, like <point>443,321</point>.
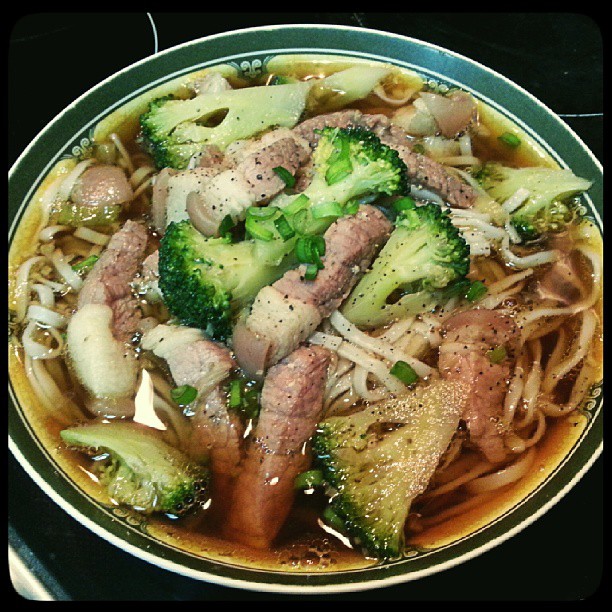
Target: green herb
<point>285,175</point>
<point>512,140</point>
<point>284,229</point>
<point>404,372</point>
<point>477,290</point>
<point>497,354</point>
<point>340,165</point>
<point>327,209</point>
<point>311,272</point>
<point>235,394</point>
<point>309,479</point>
<point>86,265</point>
<point>351,207</point>
<point>298,204</point>
<point>262,212</point>
<point>257,230</point>
<point>184,395</point>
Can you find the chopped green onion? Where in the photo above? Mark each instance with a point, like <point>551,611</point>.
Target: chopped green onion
<point>340,165</point>
<point>309,479</point>
<point>510,139</point>
<point>418,148</point>
<point>250,403</point>
<point>406,203</point>
<point>285,175</point>
<point>300,221</point>
<point>311,271</point>
<point>477,290</point>
<point>257,230</point>
<point>303,249</point>
<point>404,372</point>
<point>86,265</point>
<point>318,242</point>
<point>262,212</point>
<point>226,226</point>
<point>184,395</point>
<point>235,394</point>
<point>327,209</point>
<point>284,229</point>
<point>298,204</point>
<point>497,354</point>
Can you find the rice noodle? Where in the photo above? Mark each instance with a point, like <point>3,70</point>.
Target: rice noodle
<point>459,160</point>
<point>86,233</point>
<point>480,468</point>
<point>123,152</point>
<point>65,270</point>
<point>139,175</point>
<point>379,91</point>
<point>465,144</point>
<point>46,316</point>
<point>48,233</point>
<point>507,475</point>
<point>515,200</point>
<point>22,286</point>
<point>536,259</point>
<point>45,295</point>
<point>426,194</point>
<point>35,349</point>
<point>46,201</point>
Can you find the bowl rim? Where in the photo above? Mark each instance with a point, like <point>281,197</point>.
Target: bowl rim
<point>272,585</point>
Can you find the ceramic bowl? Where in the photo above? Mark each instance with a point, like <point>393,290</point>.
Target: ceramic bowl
<point>249,53</point>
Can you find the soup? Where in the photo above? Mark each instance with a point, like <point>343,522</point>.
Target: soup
<point>310,320</point>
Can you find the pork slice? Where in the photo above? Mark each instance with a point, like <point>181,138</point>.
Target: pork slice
<point>109,280</point>
<point>102,185</point>
<point>421,169</point>
<point>468,336</point>
<point>288,312</point>
<point>278,450</point>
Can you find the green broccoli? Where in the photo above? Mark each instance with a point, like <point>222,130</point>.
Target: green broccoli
<point>351,166</point>
<point>425,254</point>
<point>173,130</point>
<point>548,207</point>
<point>140,470</point>
<point>205,281</point>
<point>380,459</point>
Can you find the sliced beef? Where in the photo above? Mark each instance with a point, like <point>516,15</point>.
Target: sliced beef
<point>277,451</point>
<point>422,170</point>
<point>467,338</point>
<point>102,185</point>
<point>286,313</point>
<point>109,280</point>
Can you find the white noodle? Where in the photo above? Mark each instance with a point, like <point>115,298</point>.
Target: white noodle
<point>65,270</point>
<point>45,295</point>
<point>515,200</point>
<point>465,144</point>
<point>86,233</point>
<point>426,194</point>
<point>328,341</point>
<point>123,152</point>
<point>459,160</point>
<point>536,259</point>
<point>507,475</point>
<point>48,233</point>
<point>46,316</point>
<point>35,349</point>
<point>22,286</point>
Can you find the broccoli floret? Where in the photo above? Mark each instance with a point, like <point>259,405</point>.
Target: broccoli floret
<point>205,281</point>
<point>548,208</point>
<point>350,165</point>
<point>140,469</point>
<point>424,254</point>
<point>379,459</point>
<point>173,130</point>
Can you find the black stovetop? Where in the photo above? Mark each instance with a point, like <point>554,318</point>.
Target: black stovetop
<point>55,57</point>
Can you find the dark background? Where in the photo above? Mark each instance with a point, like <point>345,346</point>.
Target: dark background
<point>558,57</point>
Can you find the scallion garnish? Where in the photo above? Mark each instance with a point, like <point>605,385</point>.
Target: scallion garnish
<point>285,175</point>
<point>262,212</point>
<point>405,372</point>
<point>257,230</point>
<point>497,354</point>
<point>235,394</point>
<point>184,395</point>
<point>309,479</point>
<point>327,209</point>
<point>311,271</point>
<point>351,207</point>
<point>512,140</point>
<point>284,229</point>
<point>86,265</point>
<point>300,203</point>
<point>318,242</point>
<point>303,249</point>
<point>405,203</point>
<point>340,165</point>
<point>477,290</point>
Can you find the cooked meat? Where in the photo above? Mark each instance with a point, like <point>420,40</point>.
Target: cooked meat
<point>277,451</point>
<point>159,199</point>
<point>252,180</point>
<point>102,185</point>
<point>468,336</point>
<point>286,313</point>
<point>216,432</point>
<point>109,280</point>
<point>561,282</point>
<point>422,170</point>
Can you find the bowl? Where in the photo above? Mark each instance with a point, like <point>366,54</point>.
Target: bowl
<point>251,52</point>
